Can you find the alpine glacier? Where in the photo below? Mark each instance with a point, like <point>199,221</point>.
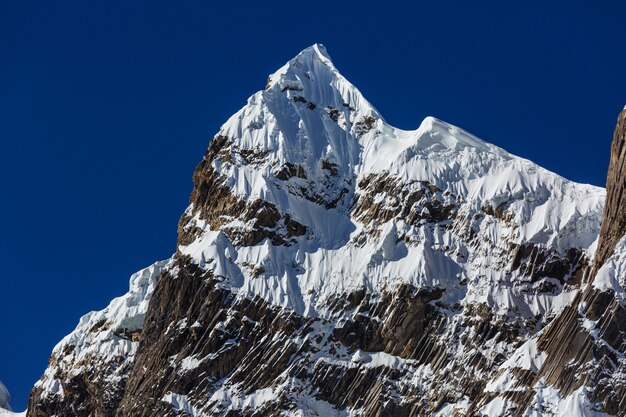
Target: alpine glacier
<point>332,264</point>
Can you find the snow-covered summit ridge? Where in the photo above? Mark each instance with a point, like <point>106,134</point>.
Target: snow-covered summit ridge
<point>312,78</point>
<point>313,74</point>
<point>308,110</point>
<point>310,115</point>
<point>311,147</point>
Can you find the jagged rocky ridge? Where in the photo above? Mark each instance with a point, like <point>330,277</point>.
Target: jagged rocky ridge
<point>331,264</point>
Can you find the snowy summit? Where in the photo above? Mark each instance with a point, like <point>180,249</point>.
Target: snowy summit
<point>311,118</point>
<point>333,265</point>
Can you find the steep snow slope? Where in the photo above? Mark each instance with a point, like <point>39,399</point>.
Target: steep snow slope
<point>330,263</point>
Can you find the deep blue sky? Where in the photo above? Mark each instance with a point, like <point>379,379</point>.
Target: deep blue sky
<point>107,106</point>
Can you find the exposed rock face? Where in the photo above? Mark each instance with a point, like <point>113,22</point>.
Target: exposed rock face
<point>600,345</point>
<point>331,265</point>
<point>88,369</point>
<point>200,334</point>
<point>594,331</point>
<point>384,198</point>
<point>213,201</point>
<point>614,219</point>
<point>582,353</point>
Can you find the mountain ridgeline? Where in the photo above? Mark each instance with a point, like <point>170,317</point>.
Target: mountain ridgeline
<point>330,264</point>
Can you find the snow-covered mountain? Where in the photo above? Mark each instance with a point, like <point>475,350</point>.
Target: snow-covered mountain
<point>332,264</point>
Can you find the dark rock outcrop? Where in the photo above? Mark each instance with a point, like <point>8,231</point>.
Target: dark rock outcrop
<point>585,345</point>
<point>256,346</point>
<point>213,201</point>
<point>614,218</point>
<point>384,197</point>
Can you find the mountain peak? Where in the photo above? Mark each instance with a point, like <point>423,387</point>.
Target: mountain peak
<point>312,79</point>
<point>322,243</point>
<point>310,137</point>
<point>309,59</point>
<point>316,51</point>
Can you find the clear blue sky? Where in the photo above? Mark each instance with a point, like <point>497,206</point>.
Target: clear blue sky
<point>107,106</point>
